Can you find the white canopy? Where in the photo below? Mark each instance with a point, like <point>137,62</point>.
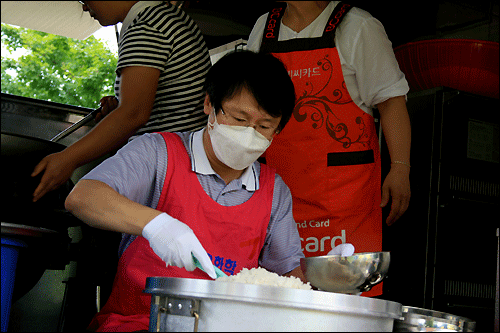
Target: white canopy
<point>64,18</point>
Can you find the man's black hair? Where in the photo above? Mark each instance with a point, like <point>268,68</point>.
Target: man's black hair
<point>265,77</point>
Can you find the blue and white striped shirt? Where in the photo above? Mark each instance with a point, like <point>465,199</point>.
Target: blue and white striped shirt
<point>138,170</point>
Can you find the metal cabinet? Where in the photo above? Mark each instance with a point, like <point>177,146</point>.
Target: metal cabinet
<point>444,249</point>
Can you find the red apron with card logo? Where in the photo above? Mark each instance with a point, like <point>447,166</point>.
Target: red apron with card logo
<point>328,153</point>
<point>232,236</point>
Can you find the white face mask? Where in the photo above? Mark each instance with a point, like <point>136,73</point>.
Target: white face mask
<point>236,146</point>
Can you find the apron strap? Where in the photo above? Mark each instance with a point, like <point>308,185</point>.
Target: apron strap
<point>272,27</point>
<point>336,18</point>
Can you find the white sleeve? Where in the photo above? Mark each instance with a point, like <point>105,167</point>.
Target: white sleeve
<point>134,170</point>
<point>255,37</point>
<point>368,51</point>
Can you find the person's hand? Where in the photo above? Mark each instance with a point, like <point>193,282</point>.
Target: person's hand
<point>175,243</point>
<point>57,169</point>
<point>397,188</point>
<point>108,104</point>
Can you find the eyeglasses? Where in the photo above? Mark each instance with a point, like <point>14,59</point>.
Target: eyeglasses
<point>264,129</point>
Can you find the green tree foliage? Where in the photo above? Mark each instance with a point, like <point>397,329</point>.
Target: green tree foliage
<point>56,68</point>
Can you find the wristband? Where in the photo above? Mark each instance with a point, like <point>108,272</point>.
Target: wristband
<point>400,162</point>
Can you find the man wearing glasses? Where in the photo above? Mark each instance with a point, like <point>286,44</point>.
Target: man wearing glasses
<point>200,194</point>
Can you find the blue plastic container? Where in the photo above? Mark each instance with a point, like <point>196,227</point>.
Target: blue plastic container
<point>10,253</point>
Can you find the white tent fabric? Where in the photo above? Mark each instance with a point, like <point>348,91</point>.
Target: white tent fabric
<point>64,18</point>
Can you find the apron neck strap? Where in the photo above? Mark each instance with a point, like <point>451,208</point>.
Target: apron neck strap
<point>272,27</point>
<point>336,18</point>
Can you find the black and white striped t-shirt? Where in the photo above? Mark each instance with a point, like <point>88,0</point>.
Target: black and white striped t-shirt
<point>165,37</point>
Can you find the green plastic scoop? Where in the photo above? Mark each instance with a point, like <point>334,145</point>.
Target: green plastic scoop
<point>218,272</point>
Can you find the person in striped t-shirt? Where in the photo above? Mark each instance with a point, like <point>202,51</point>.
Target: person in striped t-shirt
<point>162,63</point>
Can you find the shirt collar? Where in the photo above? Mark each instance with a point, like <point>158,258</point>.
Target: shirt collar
<point>201,165</point>
<point>134,11</point>
<point>318,22</point>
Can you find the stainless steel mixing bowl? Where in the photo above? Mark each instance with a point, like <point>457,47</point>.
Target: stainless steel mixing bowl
<point>347,275</point>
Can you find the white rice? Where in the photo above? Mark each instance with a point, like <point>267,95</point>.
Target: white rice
<point>262,276</point>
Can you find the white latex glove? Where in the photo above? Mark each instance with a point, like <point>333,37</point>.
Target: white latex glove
<point>174,242</point>
<point>344,250</point>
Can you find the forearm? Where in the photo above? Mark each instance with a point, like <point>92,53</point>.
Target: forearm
<point>396,127</point>
<point>137,96</point>
<point>109,134</point>
<point>99,206</point>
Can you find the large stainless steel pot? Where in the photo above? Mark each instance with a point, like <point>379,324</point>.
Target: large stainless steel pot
<point>20,155</point>
<point>20,216</point>
<point>424,320</point>
<point>188,304</point>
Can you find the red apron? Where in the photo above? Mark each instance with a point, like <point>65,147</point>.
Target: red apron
<point>328,153</point>
<point>232,236</point>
